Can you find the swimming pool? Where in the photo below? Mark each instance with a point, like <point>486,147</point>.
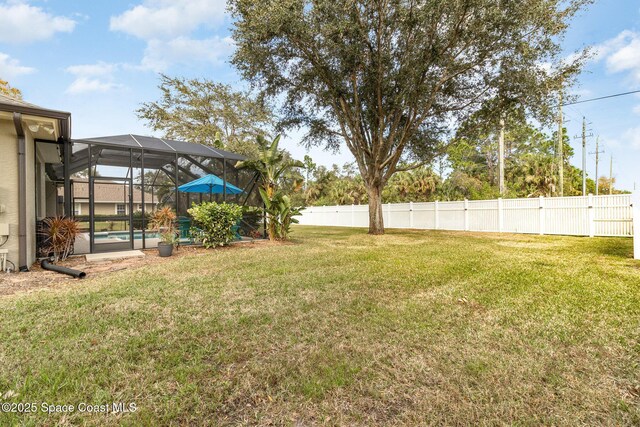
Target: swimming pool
<point>124,235</point>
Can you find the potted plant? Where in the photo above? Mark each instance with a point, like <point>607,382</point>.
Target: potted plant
<point>163,222</point>
<point>168,240</point>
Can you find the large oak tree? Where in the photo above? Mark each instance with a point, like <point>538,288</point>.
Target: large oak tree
<point>388,77</point>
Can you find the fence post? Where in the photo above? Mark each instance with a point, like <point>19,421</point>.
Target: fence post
<point>389,215</point>
<point>591,214</point>
<point>542,215</point>
<point>500,215</point>
<point>466,215</point>
<point>635,212</point>
<point>410,214</point>
<point>437,216</point>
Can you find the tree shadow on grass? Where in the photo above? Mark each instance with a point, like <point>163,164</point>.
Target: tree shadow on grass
<point>621,248</point>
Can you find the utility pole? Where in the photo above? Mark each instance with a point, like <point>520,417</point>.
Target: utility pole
<point>597,153</point>
<point>501,156</point>
<point>584,154</point>
<point>611,174</point>
<point>560,147</point>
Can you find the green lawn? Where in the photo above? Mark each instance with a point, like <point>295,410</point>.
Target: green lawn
<point>342,328</point>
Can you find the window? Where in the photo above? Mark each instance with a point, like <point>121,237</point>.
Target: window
<point>120,209</point>
<point>77,209</point>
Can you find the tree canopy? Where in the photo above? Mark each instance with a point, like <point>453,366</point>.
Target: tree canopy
<point>210,113</point>
<point>389,77</point>
<point>8,90</point>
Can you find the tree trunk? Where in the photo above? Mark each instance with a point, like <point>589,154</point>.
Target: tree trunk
<point>271,228</point>
<point>376,224</point>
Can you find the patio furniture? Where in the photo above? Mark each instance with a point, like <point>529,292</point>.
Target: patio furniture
<point>184,225</point>
<point>236,231</point>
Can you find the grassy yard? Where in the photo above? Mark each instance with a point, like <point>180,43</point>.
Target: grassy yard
<point>342,328</point>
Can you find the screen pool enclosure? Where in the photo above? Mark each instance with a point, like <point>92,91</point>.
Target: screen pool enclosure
<point>113,185</point>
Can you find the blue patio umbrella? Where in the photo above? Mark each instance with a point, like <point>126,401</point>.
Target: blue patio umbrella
<point>209,184</point>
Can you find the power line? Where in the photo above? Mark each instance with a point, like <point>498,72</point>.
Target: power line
<point>602,97</point>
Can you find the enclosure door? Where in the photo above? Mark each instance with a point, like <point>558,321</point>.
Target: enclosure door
<point>111,213</point>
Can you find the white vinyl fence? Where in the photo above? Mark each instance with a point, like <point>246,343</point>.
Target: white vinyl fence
<point>577,216</point>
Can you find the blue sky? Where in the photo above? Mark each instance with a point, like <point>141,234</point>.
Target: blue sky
<point>100,59</point>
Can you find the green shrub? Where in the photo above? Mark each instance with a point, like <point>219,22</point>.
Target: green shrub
<point>138,217</point>
<point>213,223</point>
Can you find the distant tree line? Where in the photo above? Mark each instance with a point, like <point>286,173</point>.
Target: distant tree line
<point>466,169</point>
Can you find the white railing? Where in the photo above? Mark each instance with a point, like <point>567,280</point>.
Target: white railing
<point>576,216</point>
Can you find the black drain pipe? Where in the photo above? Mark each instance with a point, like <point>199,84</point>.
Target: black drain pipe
<point>46,265</point>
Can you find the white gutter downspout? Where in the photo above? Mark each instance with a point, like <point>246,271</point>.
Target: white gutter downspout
<point>22,194</point>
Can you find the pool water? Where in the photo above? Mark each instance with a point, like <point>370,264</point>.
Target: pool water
<point>124,235</point>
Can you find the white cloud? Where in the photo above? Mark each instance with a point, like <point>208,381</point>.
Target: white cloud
<point>160,54</point>
<point>166,19</point>
<point>611,142</point>
<point>22,23</point>
<point>10,67</point>
<point>627,58</point>
<point>167,26</point>
<point>85,84</point>
<point>98,69</point>
<point>621,54</point>
<point>604,49</point>
<point>632,136</point>
<point>96,77</point>
<point>582,92</point>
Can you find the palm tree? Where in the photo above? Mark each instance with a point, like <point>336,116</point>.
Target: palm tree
<point>271,164</point>
<point>309,167</point>
<point>534,174</point>
<point>273,167</point>
<point>340,192</point>
<point>424,183</point>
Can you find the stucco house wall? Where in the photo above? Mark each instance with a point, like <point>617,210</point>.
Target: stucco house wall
<point>23,193</point>
<point>9,184</point>
<point>9,189</point>
<point>109,208</point>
